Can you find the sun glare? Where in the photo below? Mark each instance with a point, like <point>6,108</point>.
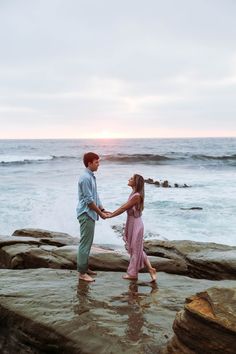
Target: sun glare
<point>105,134</point>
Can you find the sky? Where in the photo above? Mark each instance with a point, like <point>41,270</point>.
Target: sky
<point>117,68</point>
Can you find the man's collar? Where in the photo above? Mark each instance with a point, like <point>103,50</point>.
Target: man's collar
<point>90,172</point>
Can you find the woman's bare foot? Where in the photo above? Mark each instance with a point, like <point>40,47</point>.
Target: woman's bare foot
<point>85,277</point>
<point>153,274</point>
<point>128,277</point>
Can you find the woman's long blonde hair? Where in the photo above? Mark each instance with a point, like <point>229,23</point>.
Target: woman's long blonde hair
<point>139,188</point>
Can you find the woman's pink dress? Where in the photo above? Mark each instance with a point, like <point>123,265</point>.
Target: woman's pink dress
<point>133,238</point>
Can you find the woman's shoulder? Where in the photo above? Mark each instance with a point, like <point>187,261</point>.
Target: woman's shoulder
<point>136,194</point>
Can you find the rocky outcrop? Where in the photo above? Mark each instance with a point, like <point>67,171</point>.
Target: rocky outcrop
<point>47,311</point>
<point>202,259</point>
<point>165,184</point>
<point>32,248</point>
<point>207,324</point>
<point>30,252</point>
<point>192,208</point>
<point>48,237</point>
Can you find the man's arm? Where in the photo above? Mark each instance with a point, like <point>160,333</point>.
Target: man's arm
<point>88,197</point>
<point>94,207</point>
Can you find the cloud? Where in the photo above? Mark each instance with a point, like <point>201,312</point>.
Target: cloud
<point>152,67</point>
<point>11,109</point>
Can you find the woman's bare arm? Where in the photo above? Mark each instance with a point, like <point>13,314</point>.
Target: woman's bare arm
<point>135,200</point>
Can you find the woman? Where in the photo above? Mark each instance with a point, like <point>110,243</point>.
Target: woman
<point>133,235</point>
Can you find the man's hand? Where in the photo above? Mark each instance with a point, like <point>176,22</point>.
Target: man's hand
<point>102,215</point>
<point>108,215</point>
<point>105,215</point>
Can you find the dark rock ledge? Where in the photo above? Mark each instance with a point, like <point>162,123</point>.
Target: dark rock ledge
<point>45,310</point>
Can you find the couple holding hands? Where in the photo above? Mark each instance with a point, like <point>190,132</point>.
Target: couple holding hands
<point>90,208</point>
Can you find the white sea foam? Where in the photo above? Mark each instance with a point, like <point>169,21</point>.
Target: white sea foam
<point>44,195</point>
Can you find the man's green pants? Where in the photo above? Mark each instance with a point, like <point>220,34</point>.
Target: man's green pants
<point>87,227</point>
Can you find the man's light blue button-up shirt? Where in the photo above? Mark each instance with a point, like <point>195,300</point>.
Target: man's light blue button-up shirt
<point>87,193</point>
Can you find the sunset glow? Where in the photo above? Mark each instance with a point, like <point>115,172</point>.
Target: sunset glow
<point>162,77</point>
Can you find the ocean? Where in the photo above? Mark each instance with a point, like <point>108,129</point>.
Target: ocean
<point>38,186</point>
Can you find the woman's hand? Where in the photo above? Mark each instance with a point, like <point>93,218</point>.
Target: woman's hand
<point>106,215</point>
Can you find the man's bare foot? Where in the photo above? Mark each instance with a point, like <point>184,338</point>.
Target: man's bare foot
<point>91,272</point>
<point>153,274</point>
<point>85,277</point>
<point>128,277</point>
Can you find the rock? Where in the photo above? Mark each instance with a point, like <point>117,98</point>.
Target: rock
<point>202,259</point>
<point>192,208</point>
<point>116,261</point>
<point>195,259</point>
<point>19,254</point>
<point>119,229</point>
<point>46,311</point>
<point>46,236</point>
<point>149,181</point>
<point>109,261</point>
<point>207,324</point>
<point>165,184</point>
<point>11,240</point>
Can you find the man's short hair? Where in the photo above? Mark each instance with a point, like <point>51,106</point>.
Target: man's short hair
<point>90,157</point>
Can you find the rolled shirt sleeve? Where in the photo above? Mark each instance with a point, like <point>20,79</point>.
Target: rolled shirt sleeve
<point>87,194</point>
<point>86,191</point>
<point>99,202</point>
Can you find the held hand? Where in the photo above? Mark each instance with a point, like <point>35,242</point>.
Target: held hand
<point>102,215</point>
<point>107,214</point>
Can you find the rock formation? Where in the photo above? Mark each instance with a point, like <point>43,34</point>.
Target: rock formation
<point>46,310</point>
<point>207,324</point>
<point>164,184</point>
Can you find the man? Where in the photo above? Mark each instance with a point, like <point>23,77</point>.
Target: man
<point>88,211</point>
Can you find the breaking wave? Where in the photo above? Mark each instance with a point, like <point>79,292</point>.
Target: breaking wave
<point>121,158</point>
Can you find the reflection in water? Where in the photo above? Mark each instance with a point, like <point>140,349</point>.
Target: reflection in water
<point>137,303</point>
<point>131,305</point>
<point>84,300</point>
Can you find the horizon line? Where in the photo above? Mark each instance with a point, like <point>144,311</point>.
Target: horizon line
<point>120,138</point>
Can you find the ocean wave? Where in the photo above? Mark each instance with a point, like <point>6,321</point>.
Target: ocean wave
<point>174,158</point>
<point>211,157</point>
<point>135,158</point>
<point>20,160</point>
<point>122,158</point>
<point>64,157</point>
